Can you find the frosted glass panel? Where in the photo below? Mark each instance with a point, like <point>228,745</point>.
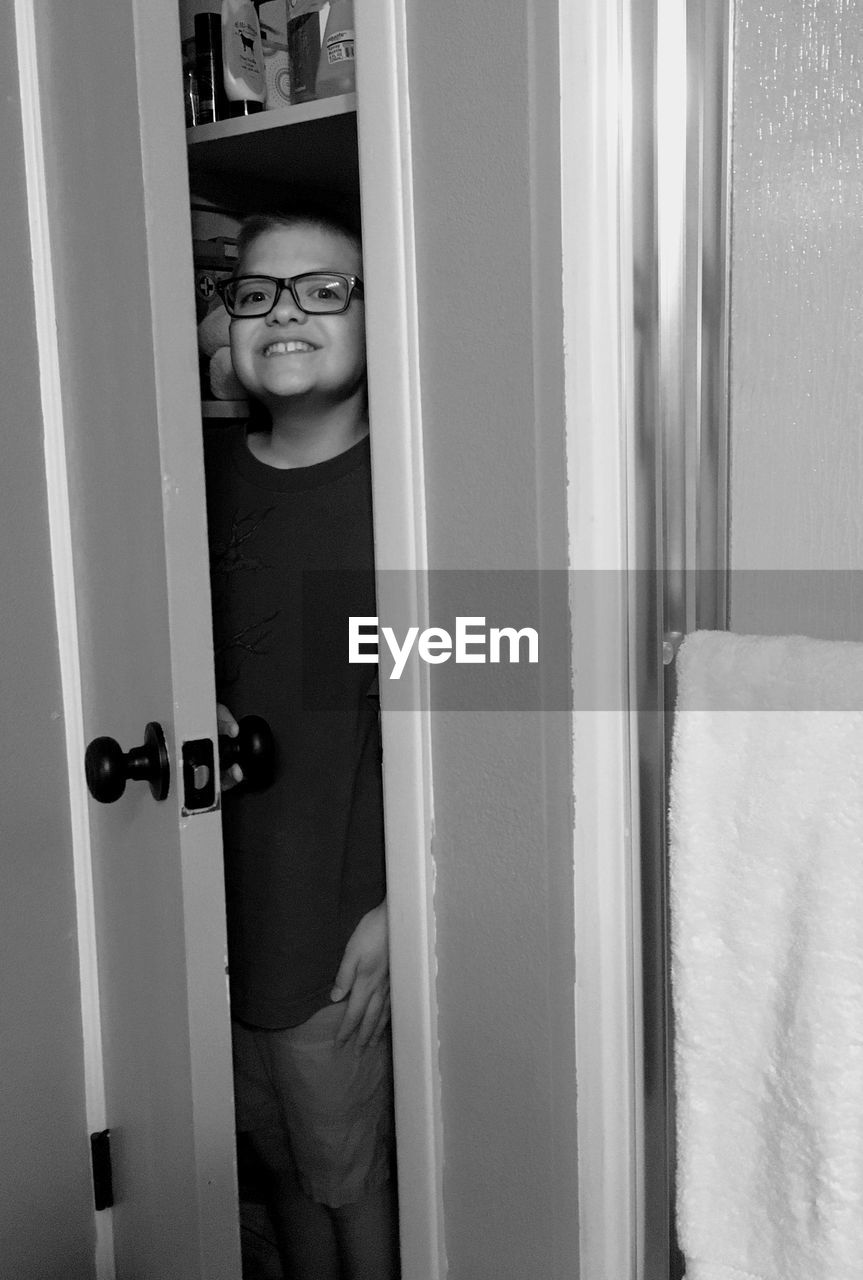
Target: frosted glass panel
<point>797,309</point>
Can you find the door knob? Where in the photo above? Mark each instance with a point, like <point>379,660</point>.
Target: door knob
<point>108,767</point>
<point>253,749</point>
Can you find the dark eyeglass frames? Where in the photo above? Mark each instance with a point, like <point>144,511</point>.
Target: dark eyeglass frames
<point>314,292</point>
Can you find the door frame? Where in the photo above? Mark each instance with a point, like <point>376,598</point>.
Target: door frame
<point>392,336</point>
<point>596,248</point>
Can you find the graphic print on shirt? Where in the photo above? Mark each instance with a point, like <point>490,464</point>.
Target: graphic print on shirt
<point>229,558</point>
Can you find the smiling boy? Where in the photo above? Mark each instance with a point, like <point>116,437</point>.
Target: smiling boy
<point>289,510</point>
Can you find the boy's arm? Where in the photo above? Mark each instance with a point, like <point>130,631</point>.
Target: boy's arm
<point>363,980</point>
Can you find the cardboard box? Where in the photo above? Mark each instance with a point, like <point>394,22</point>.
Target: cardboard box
<point>273,15</point>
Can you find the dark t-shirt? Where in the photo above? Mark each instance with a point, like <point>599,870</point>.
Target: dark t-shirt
<point>291,560</point>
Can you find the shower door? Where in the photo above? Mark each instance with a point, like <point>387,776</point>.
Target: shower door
<point>675,147</point>
<point>739,387</point>
<point>796,384</point>
<point>752,328</point>
<point>644,172</point>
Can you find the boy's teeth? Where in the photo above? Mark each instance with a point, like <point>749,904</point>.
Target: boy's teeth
<point>287,348</point>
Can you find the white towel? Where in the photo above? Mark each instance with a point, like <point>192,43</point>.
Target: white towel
<point>766,881</point>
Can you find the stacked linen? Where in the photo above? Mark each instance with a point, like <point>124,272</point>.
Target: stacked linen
<point>766,883</point>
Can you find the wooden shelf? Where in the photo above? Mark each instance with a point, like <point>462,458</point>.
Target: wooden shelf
<point>312,146</point>
<point>302,113</point>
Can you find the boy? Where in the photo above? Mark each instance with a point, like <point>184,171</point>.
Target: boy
<point>289,509</point>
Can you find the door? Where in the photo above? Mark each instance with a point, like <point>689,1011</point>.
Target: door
<point>42,1102</point>
<point>112,238</point>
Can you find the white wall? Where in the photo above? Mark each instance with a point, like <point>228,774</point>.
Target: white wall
<point>797,319</point>
<point>46,1214</point>
<point>484,113</point>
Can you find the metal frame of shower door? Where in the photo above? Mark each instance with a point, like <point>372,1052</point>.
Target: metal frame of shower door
<point>644,149</point>
<point>677,179</point>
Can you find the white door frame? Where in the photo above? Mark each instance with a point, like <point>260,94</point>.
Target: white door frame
<point>386,177</point>
<point>596,239</point>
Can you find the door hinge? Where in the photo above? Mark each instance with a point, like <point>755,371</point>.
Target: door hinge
<point>103,1182</point>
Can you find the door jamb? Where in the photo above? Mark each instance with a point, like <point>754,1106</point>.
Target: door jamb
<point>386,177</point>
<point>597,253</point>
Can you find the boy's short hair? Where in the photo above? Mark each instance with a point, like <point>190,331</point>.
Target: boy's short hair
<point>308,213</point>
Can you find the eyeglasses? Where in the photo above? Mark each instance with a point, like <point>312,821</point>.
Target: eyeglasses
<point>314,292</point>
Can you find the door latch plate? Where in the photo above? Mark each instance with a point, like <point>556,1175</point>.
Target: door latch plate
<point>199,776</point>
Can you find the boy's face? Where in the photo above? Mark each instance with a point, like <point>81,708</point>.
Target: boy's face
<point>289,353</point>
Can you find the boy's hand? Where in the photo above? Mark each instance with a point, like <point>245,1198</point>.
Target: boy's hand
<point>227,725</point>
<point>364,977</point>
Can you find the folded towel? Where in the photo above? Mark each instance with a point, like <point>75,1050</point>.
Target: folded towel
<point>766,891</point>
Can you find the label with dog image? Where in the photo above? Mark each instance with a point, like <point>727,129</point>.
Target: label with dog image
<point>242,55</point>
<point>247,53</point>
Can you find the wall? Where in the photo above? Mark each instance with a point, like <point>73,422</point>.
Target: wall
<point>484,108</point>
<point>797,319</point>
<point>46,1214</point>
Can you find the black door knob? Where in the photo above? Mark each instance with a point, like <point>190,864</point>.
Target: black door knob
<point>253,749</point>
<point>109,768</point>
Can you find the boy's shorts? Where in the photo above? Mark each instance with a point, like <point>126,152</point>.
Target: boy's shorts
<point>321,1110</point>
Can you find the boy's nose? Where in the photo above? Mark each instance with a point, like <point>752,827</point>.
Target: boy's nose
<point>286,308</point>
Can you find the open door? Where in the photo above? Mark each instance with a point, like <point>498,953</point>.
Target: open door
<point>112,257</point>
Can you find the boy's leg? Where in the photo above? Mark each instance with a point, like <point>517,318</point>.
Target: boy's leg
<point>304,1230</point>
<point>367,1233</point>
<point>341,1131</point>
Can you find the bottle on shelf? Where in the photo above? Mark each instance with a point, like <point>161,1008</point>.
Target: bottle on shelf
<point>212,104</point>
<point>337,61</point>
<point>242,58</point>
<point>190,85</point>
<point>306,23</point>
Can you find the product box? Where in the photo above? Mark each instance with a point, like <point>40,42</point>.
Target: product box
<point>273,15</point>
<point>307,23</point>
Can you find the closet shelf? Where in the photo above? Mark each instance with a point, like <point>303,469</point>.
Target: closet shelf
<point>312,145</point>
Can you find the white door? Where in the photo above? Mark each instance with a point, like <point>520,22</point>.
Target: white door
<point>112,236</point>
<point>46,1205</point>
